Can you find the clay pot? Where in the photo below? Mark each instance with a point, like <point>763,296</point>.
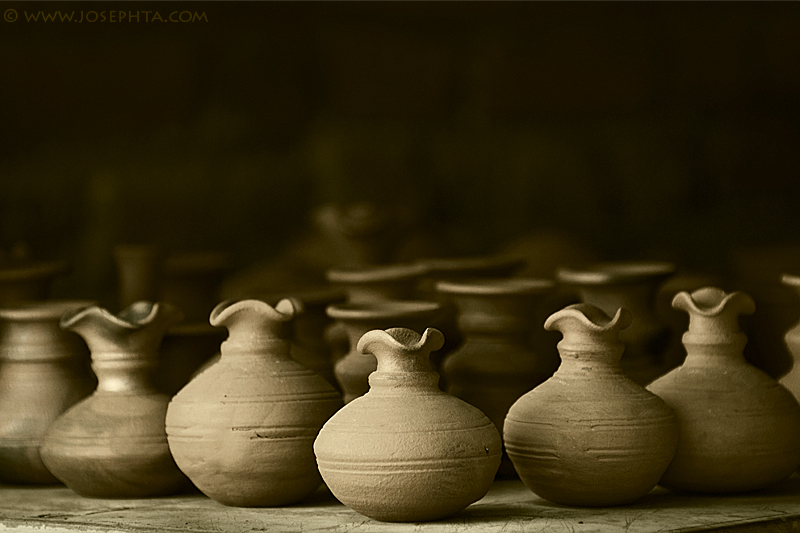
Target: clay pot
<point>138,273</point>
<point>353,370</point>
<point>589,435</point>
<point>791,380</point>
<point>497,362</point>
<point>406,451</point>
<point>243,429</point>
<point>28,281</point>
<point>633,286</point>
<point>740,429</point>
<point>191,281</point>
<point>113,444</point>
<point>43,371</point>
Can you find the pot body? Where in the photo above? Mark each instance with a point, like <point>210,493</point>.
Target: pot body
<point>243,429</point>
<point>589,435</point>
<point>113,443</point>
<point>406,451</point>
<point>740,429</point>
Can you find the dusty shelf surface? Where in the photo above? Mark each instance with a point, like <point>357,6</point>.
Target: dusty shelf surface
<point>509,507</point>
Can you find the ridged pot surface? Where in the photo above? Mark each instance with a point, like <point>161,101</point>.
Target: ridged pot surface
<point>740,429</point>
<point>243,429</point>
<point>406,451</point>
<point>589,435</point>
<point>113,444</point>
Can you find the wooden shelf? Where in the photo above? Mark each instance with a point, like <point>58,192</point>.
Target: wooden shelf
<point>509,507</point>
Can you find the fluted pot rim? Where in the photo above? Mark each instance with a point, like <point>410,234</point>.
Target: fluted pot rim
<point>591,317</point>
<point>496,286</point>
<point>403,340</point>
<point>615,272</point>
<point>713,301</point>
<point>42,309</point>
<point>283,311</point>
<point>33,270</point>
<point>381,310</point>
<point>376,273</point>
<point>136,316</point>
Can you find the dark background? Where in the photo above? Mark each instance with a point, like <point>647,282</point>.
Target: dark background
<point>640,130</point>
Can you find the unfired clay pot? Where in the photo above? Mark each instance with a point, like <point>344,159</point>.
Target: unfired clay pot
<point>43,371</point>
<point>497,362</point>
<point>353,370</point>
<point>632,285</point>
<point>185,349</point>
<point>739,428</point>
<point>243,429</point>
<point>406,451</point>
<point>589,435</point>
<point>113,444</point>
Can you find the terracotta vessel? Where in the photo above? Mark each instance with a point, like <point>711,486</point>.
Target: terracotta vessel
<point>497,362</point>
<point>243,429</point>
<point>43,371</point>
<point>406,451</point>
<point>191,281</point>
<point>26,281</point>
<point>632,285</point>
<point>113,444</point>
<point>739,429</point>
<point>138,273</point>
<point>589,435</point>
<point>791,380</point>
<point>353,370</point>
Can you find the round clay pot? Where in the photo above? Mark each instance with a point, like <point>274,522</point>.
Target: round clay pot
<point>632,285</point>
<point>497,362</point>
<point>113,444</point>
<point>28,281</point>
<point>243,429</point>
<point>43,371</point>
<point>406,451</point>
<point>739,428</point>
<point>589,435</point>
<point>353,370</point>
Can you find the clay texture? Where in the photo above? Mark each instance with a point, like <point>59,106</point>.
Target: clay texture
<point>243,429</point>
<point>406,451</point>
<point>113,444</point>
<point>740,429</point>
<point>43,371</point>
<point>791,380</point>
<point>589,435</point>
